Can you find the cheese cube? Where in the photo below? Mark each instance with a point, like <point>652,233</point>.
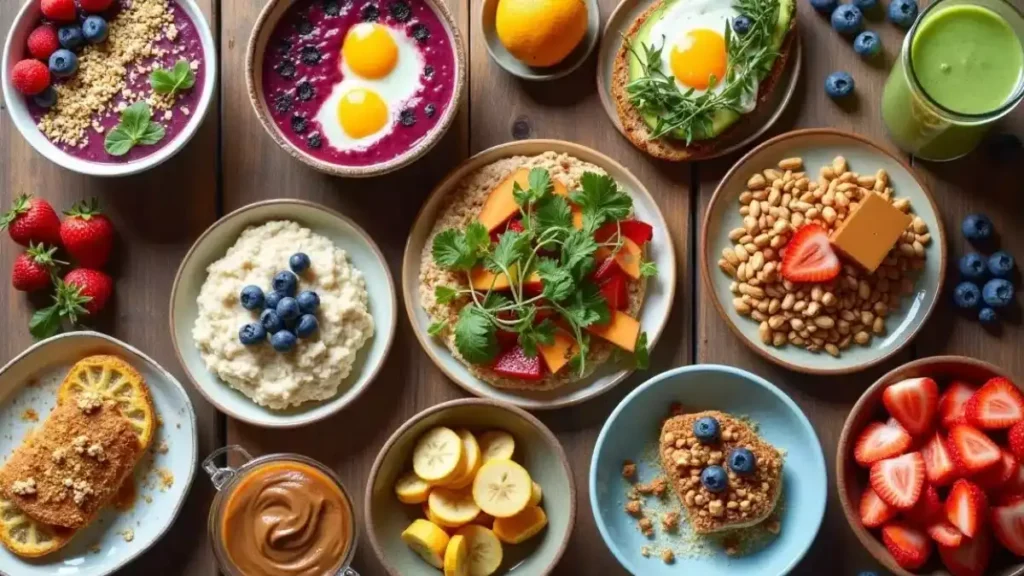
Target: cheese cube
<point>870,232</point>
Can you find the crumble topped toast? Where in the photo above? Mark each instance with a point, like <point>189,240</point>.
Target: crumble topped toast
<point>745,499</point>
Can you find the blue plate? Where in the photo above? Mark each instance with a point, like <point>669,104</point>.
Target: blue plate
<point>632,430</point>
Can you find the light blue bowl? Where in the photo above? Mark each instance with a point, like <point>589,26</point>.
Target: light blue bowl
<point>634,427</point>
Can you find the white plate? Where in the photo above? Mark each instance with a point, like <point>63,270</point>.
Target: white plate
<point>30,381</point>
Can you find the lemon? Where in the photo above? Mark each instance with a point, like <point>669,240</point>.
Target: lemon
<point>427,540</point>
<point>536,495</point>
<point>541,32</point>
<point>456,561</point>
<point>470,462</point>
<point>411,489</point>
<point>497,445</point>
<point>502,488</point>
<point>484,550</point>
<point>436,455</point>
<point>522,526</point>
<point>454,508</point>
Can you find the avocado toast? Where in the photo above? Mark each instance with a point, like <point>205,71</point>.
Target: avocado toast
<point>672,120</point>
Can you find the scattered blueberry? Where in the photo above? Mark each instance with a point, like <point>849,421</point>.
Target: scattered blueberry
<point>400,11</point>
<point>283,102</point>
<point>283,341</point>
<point>315,140</point>
<point>742,461</point>
<point>1003,146</point>
<point>903,12</point>
<point>63,63</point>
<point>251,298</point>
<point>288,308</point>
<point>286,69</point>
<point>307,326</point>
<point>824,6</point>
<point>305,91</point>
<point>310,55</point>
<point>847,20</point>
<point>714,479</point>
<point>283,47</point>
<point>286,283</point>
<point>741,25</point>
<point>94,29</point>
<point>867,44</point>
<point>332,7</point>
<point>420,33</point>
<point>299,124</point>
<point>271,322</point>
<point>271,300</point>
<point>839,85</point>
<point>308,301</point>
<point>706,430</point>
<point>977,227</point>
<point>429,110</point>
<point>428,71</point>
<point>299,262</point>
<point>407,117</point>
<point>967,295</point>
<point>988,316</point>
<point>973,266</point>
<point>304,27</point>
<point>1000,264</point>
<point>46,99</point>
<point>997,292</point>
<point>70,36</point>
<point>252,334</point>
<point>865,5</point>
<point>370,13</point>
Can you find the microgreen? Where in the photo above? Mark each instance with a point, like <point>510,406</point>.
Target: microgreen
<point>172,80</point>
<point>136,127</point>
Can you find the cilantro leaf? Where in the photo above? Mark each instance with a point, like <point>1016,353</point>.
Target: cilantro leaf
<point>558,283</point>
<point>552,212</point>
<point>494,300</point>
<point>587,306</point>
<point>445,294</point>
<point>436,328</point>
<point>540,186</point>
<point>172,80</point>
<point>475,336</point>
<point>648,269</point>
<point>510,249</point>
<point>578,254</point>
<point>460,250</point>
<point>118,142</point>
<point>600,200</point>
<point>477,237</point>
<point>533,335</point>
<point>579,361</point>
<point>641,355</point>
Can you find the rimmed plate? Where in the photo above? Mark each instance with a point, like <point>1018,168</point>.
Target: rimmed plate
<point>653,316</point>
<point>818,147</point>
<point>28,386</point>
<point>748,129</point>
<point>213,244</point>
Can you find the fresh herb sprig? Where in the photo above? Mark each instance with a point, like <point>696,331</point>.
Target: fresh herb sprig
<point>172,80</point>
<point>136,127</point>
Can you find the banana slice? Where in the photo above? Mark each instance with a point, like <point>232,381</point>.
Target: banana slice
<point>433,518</point>
<point>536,495</point>
<point>437,454</point>
<point>522,526</point>
<point>456,561</point>
<point>427,540</point>
<point>485,553</point>
<point>411,489</point>
<point>471,460</point>
<point>497,445</point>
<point>502,488</point>
<point>454,508</point>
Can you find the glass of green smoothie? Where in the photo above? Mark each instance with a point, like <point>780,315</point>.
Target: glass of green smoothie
<point>961,68</point>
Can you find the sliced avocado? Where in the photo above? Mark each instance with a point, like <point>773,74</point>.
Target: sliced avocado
<point>723,118</point>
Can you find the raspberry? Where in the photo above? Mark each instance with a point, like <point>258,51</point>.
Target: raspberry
<point>42,42</point>
<point>30,77</point>
<point>95,6</point>
<point>58,10</point>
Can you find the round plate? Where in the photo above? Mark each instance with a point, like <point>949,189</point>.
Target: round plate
<point>653,315</point>
<point>30,381</point>
<point>749,130</point>
<point>213,244</point>
<point>818,147</point>
<point>708,387</point>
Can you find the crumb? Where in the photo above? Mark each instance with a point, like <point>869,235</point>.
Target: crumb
<point>148,499</point>
<point>79,444</point>
<point>96,451</point>
<point>773,526</point>
<point>59,456</point>
<point>628,470</point>
<point>646,527</point>
<point>670,521</point>
<point>645,551</point>
<point>162,447</point>
<point>667,556</point>
<point>656,487</point>
<point>633,508</point>
<point>30,415</point>
<point>166,479</point>
<point>128,534</point>
<point>24,487</point>
<point>94,549</point>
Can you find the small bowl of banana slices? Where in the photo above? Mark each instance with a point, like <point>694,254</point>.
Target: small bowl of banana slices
<point>470,486</point>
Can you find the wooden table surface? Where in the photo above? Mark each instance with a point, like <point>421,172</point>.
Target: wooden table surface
<point>232,162</point>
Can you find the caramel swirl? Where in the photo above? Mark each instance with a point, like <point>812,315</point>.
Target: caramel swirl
<point>286,519</point>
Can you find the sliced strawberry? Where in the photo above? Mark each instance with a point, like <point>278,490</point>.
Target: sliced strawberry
<point>998,475</point>
<point>635,230</point>
<point>967,507</point>
<point>514,363</point>
<point>899,480</point>
<point>616,292</point>
<point>953,402</point>
<point>809,256</point>
<point>914,403</point>
<point>910,547</point>
<point>938,463</point>
<point>873,510</point>
<point>996,405</point>
<point>972,450</point>
<point>515,225</point>
<point>945,534</point>
<point>928,509</point>
<point>970,558</point>
<point>1015,485</point>
<point>880,441</point>
<point>1015,437</point>
<point>1008,525</point>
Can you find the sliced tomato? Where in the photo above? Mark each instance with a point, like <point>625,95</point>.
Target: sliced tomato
<point>615,292</point>
<point>636,230</point>
<point>514,225</point>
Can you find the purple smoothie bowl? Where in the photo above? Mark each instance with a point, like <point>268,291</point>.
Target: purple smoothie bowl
<point>278,39</point>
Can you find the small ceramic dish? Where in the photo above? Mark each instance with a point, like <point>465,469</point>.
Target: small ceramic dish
<point>362,253</point>
<point>653,315</point>
<point>273,13</point>
<point>818,147</point>
<point>746,131</point>
<point>21,116</point>
<point>632,432</point>
<point>515,67</point>
<point>851,479</point>
<point>28,386</point>
<point>536,449</point>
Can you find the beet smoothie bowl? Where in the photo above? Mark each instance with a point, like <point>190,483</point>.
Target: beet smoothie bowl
<point>108,87</point>
<point>355,87</point>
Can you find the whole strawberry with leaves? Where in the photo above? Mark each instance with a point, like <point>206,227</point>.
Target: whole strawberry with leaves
<point>87,234</point>
<point>82,292</point>
<point>31,220</point>
<point>35,268</point>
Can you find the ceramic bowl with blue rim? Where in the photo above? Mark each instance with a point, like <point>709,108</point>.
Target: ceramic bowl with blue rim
<point>632,432</point>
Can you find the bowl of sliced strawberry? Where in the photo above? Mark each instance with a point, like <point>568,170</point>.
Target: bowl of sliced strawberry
<point>930,469</point>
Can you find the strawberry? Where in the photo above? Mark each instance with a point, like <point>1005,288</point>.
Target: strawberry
<point>927,510</point>
<point>914,403</point>
<point>91,284</point>
<point>945,534</point>
<point>952,404</point>
<point>32,220</point>
<point>873,510</point>
<point>998,475</point>
<point>95,6</point>
<point>1016,439</point>
<point>899,480</point>
<point>1008,525</point>
<point>938,463</point>
<point>966,507</point>
<point>1015,485</point>
<point>42,42</point>
<point>996,405</point>
<point>58,10</point>
<point>880,441</point>
<point>809,256</point>
<point>971,450</point>
<point>32,270</point>
<point>970,558</point>
<point>910,547</point>
<point>88,235</point>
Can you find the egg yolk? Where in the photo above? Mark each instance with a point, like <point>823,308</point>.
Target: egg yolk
<point>369,50</point>
<point>698,57</point>
<point>362,112</point>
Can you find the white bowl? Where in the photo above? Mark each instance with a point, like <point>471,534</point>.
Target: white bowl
<point>27,19</point>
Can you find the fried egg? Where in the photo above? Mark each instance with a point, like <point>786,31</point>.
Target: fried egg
<point>381,70</point>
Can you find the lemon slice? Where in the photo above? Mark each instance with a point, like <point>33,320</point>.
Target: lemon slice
<point>502,488</point>
<point>111,379</point>
<point>454,508</point>
<point>26,537</point>
<point>436,455</point>
<point>485,553</point>
<point>497,445</point>
<point>427,540</point>
<point>411,489</point>
<point>470,462</point>
<point>456,562</point>
<point>522,526</point>
<point>536,495</point>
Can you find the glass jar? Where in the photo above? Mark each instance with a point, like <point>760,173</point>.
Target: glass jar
<point>228,480</point>
<point>916,121</point>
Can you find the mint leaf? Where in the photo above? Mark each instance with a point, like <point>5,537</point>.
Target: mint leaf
<point>152,134</point>
<point>558,283</point>
<point>436,328</point>
<point>445,294</point>
<point>135,119</point>
<point>455,250</point>
<point>118,142</point>
<point>171,80</point>
<point>474,336</point>
<point>45,322</point>
<point>600,200</point>
<point>136,127</point>
<point>641,355</point>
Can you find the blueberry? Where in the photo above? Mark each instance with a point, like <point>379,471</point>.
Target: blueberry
<point>251,298</point>
<point>847,20</point>
<point>420,33</point>
<point>283,47</point>
<point>332,7</point>
<point>271,300</point>
<point>95,29</point>
<point>429,110</point>
<point>742,461</point>
<point>299,124</point>
<point>824,6</point>
<point>977,227</point>
<point>903,12</point>
<point>308,301</point>
<point>283,341</point>
<point>865,5</point>
<point>306,326</point>
<point>997,293</point>
<point>252,334</point>
<point>400,11</point>
<point>315,140</point>
<point>63,63</point>
<point>46,99</point>
<point>987,316</point>
<point>966,295</point>
<point>283,102</point>
<point>867,44</point>
<point>70,36</point>
<point>310,55</point>
<point>741,25</point>
<point>305,91</point>
<point>428,71</point>
<point>299,262</point>
<point>370,13</point>
<point>407,117</point>
<point>1000,264</point>
<point>839,85</point>
<point>304,27</point>
<point>973,266</point>
<point>706,430</point>
<point>286,69</point>
<point>714,479</point>
<point>271,322</point>
<point>286,283</point>
<point>288,308</point>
